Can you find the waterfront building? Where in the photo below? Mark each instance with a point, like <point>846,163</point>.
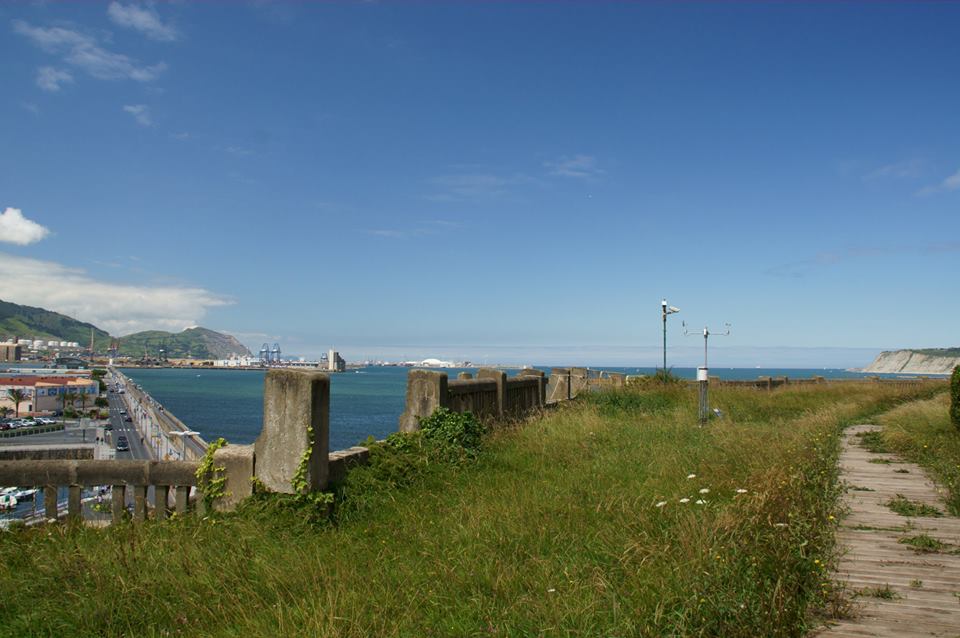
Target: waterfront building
<point>45,393</point>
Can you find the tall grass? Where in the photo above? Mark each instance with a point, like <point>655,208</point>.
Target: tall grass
<point>554,529</point>
<point>922,432</point>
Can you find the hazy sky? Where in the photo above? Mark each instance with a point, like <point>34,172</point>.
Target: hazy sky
<point>502,180</point>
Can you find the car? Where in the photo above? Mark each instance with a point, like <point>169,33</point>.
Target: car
<point>108,427</point>
<point>122,444</point>
<point>128,419</point>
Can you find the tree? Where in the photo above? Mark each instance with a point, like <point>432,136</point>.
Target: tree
<point>82,395</point>
<point>101,402</point>
<point>72,398</point>
<point>4,411</point>
<point>18,396</point>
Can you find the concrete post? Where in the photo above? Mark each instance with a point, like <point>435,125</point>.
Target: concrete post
<point>531,372</point>
<point>426,391</point>
<point>50,501</point>
<point>237,462</point>
<point>161,496</point>
<point>501,379</point>
<point>118,502</point>
<point>294,401</point>
<point>74,504</point>
<point>182,499</point>
<point>139,502</point>
<point>463,376</point>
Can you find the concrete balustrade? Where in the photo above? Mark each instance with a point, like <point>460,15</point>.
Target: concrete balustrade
<point>135,476</point>
<point>295,436</point>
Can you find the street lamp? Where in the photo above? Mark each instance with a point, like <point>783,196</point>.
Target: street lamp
<point>183,441</point>
<point>666,310</point>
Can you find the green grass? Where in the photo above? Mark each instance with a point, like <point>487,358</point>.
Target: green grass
<point>873,442</point>
<point>880,461</point>
<point>552,529</point>
<point>885,592</point>
<point>905,507</point>
<point>921,432</point>
<point>923,543</point>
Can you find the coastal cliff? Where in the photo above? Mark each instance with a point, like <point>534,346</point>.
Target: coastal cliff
<point>931,361</point>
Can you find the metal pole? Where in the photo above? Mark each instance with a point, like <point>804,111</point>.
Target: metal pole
<point>664,307</point>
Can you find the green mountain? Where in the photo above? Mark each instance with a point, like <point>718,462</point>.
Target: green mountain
<point>198,343</point>
<point>28,322</point>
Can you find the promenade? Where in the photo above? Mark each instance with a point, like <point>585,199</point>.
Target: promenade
<point>903,573</point>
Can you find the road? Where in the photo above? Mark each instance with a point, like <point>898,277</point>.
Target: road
<point>137,449</point>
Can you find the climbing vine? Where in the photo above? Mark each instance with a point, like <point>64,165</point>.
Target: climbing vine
<point>210,478</point>
<point>318,501</point>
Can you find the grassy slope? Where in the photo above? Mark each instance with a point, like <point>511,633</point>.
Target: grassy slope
<point>922,432</point>
<point>553,531</point>
<point>29,322</point>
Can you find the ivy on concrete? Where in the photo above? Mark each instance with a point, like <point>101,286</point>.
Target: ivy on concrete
<point>211,480</point>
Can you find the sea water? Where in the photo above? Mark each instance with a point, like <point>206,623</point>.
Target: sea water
<point>365,402</point>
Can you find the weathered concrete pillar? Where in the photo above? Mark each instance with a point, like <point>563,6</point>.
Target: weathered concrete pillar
<point>74,503</point>
<point>579,380</point>
<point>617,379</point>
<point>296,428</point>
<point>426,391</point>
<point>532,372</point>
<point>50,501</point>
<point>161,498</point>
<point>559,385</point>
<point>464,376</point>
<point>501,378</point>
<point>139,503</point>
<point>118,502</point>
<point>237,462</point>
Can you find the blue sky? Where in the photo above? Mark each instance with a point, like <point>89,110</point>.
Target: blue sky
<point>520,182</point>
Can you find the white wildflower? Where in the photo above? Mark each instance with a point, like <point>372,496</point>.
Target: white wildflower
<point>551,590</point>
<point>684,500</point>
<point>741,491</point>
<point>661,504</point>
<point>700,501</point>
<point>779,524</point>
<point>690,476</point>
<point>705,491</point>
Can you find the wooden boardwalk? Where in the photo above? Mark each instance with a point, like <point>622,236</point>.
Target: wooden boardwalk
<point>898,591</point>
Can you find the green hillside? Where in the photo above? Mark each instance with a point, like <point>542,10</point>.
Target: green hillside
<point>198,343</point>
<point>28,322</point>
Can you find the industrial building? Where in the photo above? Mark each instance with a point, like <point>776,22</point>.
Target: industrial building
<point>10,351</point>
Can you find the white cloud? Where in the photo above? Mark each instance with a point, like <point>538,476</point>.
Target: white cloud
<point>84,52</point>
<point>30,106</point>
<point>118,308</point>
<point>898,170</point>
<point>17,229</point>
<point>143,19</point>
<point>950,183</point>
<point>140,112</point>
<point>50,79</point>
<point>472,186</point>
<point>574,166</point>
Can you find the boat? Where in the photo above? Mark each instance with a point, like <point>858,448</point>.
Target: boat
<point>25,494</point>
<point>7,500</point>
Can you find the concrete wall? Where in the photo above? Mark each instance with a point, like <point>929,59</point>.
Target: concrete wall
<point>492,396</point>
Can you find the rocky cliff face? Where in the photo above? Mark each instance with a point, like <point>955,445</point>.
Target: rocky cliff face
<point>914,362</point>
